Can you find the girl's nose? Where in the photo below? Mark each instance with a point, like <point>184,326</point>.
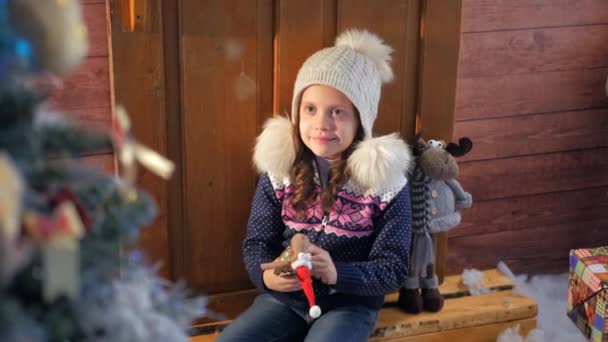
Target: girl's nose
<point>324,122</point>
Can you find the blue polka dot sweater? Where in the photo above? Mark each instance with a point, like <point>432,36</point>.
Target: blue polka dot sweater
<point>367,234</point>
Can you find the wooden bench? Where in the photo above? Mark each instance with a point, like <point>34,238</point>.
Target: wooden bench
<point>463,318</point>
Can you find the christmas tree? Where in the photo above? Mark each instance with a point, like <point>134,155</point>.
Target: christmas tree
<point>65,274</point>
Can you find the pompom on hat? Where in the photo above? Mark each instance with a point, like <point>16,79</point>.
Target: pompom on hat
<point>356,65</point>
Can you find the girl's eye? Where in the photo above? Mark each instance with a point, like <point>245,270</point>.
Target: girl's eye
<point>309,109</point>
<point>338,112</point>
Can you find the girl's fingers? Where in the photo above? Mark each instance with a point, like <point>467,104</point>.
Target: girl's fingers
<point>313,249</point>
<point>316,251</point>
<point>319,265</point>
<point>285,283</point>
<point>291,286</point>
<point>288,276</point>
<point>288,280</point>
<point>320,257</point>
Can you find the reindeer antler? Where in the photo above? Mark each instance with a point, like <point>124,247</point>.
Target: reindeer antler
<point>463,147</point>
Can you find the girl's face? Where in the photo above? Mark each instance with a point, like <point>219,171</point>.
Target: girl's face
<point>328,122</point>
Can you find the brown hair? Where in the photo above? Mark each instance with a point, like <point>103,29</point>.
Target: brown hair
<point>302,174</point>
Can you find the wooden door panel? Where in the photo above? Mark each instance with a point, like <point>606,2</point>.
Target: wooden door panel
<point>222,68</point>
<point>397,106</point>
<point>138,86</point>
<point>302,27</point>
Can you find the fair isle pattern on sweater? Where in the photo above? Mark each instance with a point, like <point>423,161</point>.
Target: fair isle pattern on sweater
<point>352,215</point>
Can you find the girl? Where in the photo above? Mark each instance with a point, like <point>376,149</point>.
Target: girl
<point>324,176</point>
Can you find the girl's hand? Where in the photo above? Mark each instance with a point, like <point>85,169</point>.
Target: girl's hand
<point>323,267</point>
<point>281,283</point>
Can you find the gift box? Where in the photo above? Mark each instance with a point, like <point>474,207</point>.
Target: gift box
<point>587,291</point>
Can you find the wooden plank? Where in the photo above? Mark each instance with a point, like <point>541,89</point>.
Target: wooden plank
<point>398,27</point>
<point>172,103</point>
<point>138,86</point>
<point>530,212</point>
<point>221,80</point>
<point>457,313</point>
<point>95,118</point>
<point>265,51</point>
<point>559,91</point>
<point>97,28</point>
<point>480,333</point>
<point>86,87</point>
<point>534,50</point>
<point>411,77</point>
<point>84,2</point>
<point>440,32</point>
<point>492,15</point>
<point>441,41</point>
<point>439,56</point>
<point>543,249</point>
<point>492,279</point>
<point>96,111</point>
<point>299,36</point>
<point>452,287</point>
<point>563,171</point>
<point>534,134</point>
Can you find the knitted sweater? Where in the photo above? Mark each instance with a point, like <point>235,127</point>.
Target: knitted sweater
<point>367,234</point>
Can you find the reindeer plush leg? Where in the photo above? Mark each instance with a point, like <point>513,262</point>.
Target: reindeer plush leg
<point>432,299</point>
<point>410,300</point>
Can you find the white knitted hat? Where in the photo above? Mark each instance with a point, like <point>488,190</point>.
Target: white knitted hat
<point>357,66</point>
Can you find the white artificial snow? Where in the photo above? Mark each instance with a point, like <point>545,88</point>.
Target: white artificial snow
<point>550,292</point>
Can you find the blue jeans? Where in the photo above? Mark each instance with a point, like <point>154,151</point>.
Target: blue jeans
<point>268,319</point>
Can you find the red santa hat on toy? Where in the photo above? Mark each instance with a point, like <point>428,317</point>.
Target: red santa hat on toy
<point>302,267</point>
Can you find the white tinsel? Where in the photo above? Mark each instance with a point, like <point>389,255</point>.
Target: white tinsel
<point>139,307</point>
<point>512,335</point>
<point>473,280</point>
<point>550,292</point>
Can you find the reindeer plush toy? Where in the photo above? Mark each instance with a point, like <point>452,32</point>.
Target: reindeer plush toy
<point>296,259</point>
<point>436,197</point>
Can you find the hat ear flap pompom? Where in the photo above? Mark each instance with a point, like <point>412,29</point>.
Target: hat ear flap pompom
<point>371,46</point>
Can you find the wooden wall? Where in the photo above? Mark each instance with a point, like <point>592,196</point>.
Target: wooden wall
<point>530,94</point>
<point>86,94</point>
